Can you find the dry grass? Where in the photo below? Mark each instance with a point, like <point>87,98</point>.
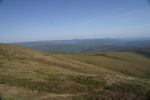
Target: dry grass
<point>119,63</point>
<point>30,74</point>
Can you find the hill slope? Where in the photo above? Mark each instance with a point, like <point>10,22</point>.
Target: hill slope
<point>102,48</point>
<point>35,75</point>
<point>112,48</point>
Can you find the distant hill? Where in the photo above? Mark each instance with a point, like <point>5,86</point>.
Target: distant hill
<point>34,75</point>
<point>102,48</point>
<point>71,46</point>
<point>78,45</point>
<point>89,42</point>
<point>145,43</point>
<point>64,47</point>
<point>57,51</point>
<point>112,48</point>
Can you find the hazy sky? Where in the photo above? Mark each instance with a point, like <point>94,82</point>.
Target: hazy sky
<point>32,20</point>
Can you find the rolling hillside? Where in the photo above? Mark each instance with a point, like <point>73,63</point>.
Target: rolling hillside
<point>112,48</point>
<point>34,75</point>
<point>102,48</point>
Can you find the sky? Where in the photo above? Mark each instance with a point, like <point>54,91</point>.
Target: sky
<point>40,20</point>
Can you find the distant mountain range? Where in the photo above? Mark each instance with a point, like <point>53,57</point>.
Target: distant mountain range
<point>137,45</point>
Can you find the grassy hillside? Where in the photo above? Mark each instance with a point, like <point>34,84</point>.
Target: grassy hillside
<point>59,51</point>
<point>112,48</point>
<point>102,48</point>
<point>33,75</point>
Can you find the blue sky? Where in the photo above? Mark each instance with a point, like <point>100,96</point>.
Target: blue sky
<point>34,20</point>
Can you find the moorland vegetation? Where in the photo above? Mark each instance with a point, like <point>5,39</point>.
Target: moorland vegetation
<point>34,75</point>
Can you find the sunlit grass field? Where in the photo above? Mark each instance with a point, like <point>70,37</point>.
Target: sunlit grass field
<point>27,74</point>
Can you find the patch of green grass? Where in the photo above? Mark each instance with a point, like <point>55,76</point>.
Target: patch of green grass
<point>87,81</point>
<point>54,84</point>
<point>27,83</point>
<point>8,98</point>
<point>1,64</point>
<point>59,51</point>
<point>25,72</point>
<point>88,97</point>
<point>107,55</point>
<point>49,76</point>
<point>40,72</point>
<point>146,74</point>
<point>140,91</point>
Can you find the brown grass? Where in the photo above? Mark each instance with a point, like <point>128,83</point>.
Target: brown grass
<point>18,64</point>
